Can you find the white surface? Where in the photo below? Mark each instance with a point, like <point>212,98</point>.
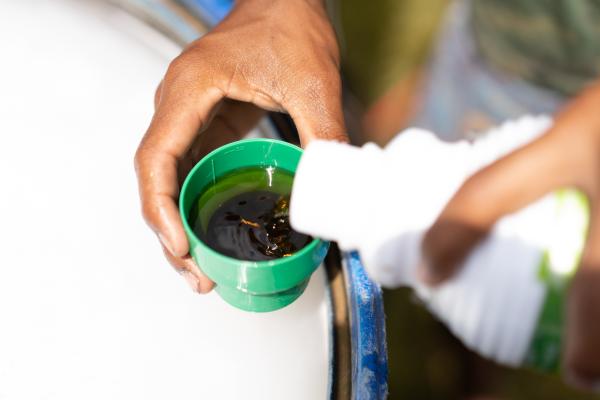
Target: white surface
<point>88,307</point>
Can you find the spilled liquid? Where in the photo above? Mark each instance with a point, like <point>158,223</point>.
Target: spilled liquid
<point>245,215</point>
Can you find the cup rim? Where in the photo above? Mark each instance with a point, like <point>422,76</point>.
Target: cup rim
<point>310,247</point>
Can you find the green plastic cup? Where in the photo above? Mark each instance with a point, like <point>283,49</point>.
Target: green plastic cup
<point>258,286</point>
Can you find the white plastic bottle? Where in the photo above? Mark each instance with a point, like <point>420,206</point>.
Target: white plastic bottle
<point>506,302</point>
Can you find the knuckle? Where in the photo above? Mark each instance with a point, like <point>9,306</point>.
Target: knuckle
<point>157,94</point>
<point>188,78</point>
<point>178,65</point>
<point>149,212</point>
<point>140,158</point>
<point>137,158</point>
<point>180,74</point>
<point>177,265</point>
<point>188,67</point>
<point>172,263</point>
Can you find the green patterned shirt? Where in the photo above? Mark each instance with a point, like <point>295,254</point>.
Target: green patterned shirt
<point>551,43</point>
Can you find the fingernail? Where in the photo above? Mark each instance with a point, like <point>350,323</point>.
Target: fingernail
<point>165,243</point>
<point>191,280</point>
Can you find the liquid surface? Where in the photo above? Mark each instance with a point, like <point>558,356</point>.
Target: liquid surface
<point>248,221</point>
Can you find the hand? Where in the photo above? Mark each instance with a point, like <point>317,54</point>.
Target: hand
<point>277,55</point>
<point>568,155</point>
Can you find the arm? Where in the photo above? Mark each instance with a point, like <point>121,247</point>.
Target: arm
<point>381,201</point>
<point>567,155</point>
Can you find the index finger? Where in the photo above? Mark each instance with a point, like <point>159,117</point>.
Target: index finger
<point>180,114</point>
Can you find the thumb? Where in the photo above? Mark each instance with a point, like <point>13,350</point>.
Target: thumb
<point>317,111</point>
<point>503,187</point>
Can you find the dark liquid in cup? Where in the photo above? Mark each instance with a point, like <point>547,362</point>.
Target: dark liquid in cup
<point>245,215</point>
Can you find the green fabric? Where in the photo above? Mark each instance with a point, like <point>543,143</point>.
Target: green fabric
<point>546,345</point>
<point>383,41</point>
<point>551,43</point>
<point>545,348</point>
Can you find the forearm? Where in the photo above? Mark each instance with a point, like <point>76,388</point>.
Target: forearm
<point>381,201</point>
<point>577,127</point>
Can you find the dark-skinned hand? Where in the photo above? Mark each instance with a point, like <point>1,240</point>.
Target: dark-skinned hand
<point>279,55</point>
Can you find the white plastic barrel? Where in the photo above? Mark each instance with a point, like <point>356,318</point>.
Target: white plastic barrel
<point>89,308</point>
